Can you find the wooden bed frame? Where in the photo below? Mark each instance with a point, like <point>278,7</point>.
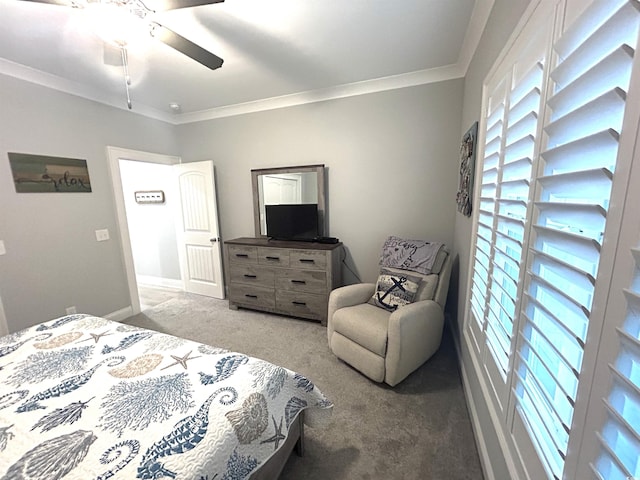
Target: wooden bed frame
<point>273,467</point>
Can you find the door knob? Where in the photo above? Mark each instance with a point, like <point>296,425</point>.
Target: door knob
<point>214,240</point>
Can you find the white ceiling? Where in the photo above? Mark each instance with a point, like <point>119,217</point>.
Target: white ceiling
<point>276,52</point>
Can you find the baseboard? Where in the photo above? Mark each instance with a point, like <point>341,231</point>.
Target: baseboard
<point>120,315</point>
<point>503,441</point>
<point>485,460</point>
<point>160,282</point>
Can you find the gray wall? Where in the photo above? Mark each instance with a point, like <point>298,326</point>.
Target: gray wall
<point>391,160</point>
<point>504,18</point>
<point>53,259</point>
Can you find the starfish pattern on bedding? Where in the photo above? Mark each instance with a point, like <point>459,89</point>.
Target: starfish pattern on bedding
<point>181,360</point>
<point>96,337</point>
<point>276,437</point>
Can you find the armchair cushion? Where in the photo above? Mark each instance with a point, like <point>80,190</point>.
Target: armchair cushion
<point>365,325</point>
<point>394,289</point>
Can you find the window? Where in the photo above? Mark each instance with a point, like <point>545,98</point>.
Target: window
<point>540,230</point>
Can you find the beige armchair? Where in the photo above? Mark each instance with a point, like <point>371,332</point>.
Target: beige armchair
<point>387,346</point>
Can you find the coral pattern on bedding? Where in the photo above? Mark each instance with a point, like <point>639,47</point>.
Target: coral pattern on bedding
<point>82,397</point>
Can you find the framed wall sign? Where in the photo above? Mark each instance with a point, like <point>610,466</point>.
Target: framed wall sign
<point>41,174</point>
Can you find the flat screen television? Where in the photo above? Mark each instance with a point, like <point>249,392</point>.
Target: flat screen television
<point>292,221</point>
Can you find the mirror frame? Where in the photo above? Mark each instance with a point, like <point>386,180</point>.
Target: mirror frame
<point>318,169</point>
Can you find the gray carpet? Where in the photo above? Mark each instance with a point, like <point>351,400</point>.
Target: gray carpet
<point>419,429</point>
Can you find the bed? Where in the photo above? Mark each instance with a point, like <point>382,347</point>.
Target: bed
<point>83,397</point>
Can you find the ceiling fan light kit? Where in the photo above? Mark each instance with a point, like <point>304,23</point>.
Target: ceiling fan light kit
<point>121,23</point>
<point>115,25</point>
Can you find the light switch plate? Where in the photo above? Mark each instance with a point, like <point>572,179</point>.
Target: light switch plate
<point>2,249</point>
<point>102,235</point>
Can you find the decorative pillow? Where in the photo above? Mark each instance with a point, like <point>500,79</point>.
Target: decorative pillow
<point>394,290</point>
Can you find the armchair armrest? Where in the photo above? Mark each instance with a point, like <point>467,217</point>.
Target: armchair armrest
<point>347,296</point>
<point>414,335</point>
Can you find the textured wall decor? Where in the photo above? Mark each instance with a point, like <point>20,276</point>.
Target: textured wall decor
<point>467,168</point>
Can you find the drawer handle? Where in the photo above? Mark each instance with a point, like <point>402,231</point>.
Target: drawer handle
<point>242,255</point>
<point>250,296</point>
<point>301,282</point>
<point>273,258</point>
<point>302,304</point>
<point>246,275</point>
<point>307,260</point>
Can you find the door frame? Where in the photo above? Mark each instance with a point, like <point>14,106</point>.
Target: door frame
<point>114,155</point>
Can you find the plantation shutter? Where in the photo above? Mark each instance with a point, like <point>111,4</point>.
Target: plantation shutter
<point>511,211</point>
<point>489,186</point>
<point>590,81</point>
<point>511,127</point>
<point>620,438</point>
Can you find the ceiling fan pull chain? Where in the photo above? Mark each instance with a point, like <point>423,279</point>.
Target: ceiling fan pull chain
<point>125,69</point>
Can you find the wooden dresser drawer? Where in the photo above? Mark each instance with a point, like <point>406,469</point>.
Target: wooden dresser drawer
<point>313,281</point>
<point>308,259</point>
<point>252,275</point>
<point>305,305</point>
<point>289,278</point>
<point>278,257</point>
<point>252,296</point>
<point>242,254</point>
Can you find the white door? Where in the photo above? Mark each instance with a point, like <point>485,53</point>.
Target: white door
<point>279,189</point>
<point>199,245</point>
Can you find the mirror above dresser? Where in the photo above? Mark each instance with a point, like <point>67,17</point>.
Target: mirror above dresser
<point>288,185</point>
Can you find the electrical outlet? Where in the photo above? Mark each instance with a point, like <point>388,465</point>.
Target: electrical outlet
<point>102,235</point>
<point>3,250</point>
<point>71,310</point>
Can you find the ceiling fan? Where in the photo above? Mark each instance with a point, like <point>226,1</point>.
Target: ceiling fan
<point>139,9</point>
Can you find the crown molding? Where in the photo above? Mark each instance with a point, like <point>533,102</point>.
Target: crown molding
<point>477,24</point>
<point>60,84</point>
<point>393,82</point>
<point>341,91</point>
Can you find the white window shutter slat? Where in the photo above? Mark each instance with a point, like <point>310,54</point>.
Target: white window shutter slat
<point>593,151</point>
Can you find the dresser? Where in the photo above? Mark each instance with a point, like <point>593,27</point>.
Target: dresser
<point>290,278</point>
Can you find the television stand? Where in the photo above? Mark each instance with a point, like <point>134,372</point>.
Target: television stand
<point>279,276</point>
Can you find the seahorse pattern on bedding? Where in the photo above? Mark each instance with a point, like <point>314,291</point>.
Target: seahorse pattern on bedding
<point>104,400</point>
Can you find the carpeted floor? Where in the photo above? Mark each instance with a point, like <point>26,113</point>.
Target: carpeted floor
<point>419,429</point>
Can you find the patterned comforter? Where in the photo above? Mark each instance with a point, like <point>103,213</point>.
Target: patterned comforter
<point>83,397</point>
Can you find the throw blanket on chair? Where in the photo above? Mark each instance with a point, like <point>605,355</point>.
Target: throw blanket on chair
<point>416,255</point>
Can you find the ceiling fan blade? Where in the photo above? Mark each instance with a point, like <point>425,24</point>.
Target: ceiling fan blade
<point>162,5</point>
<point>186,47</point>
